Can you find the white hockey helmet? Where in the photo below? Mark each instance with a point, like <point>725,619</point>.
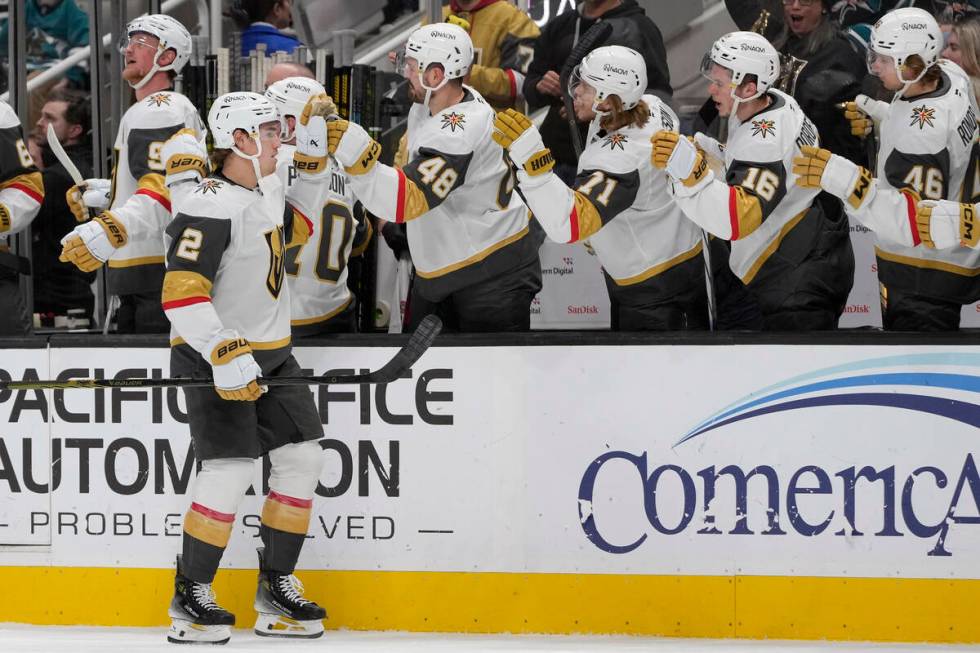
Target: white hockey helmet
<point>172,36</point>
<point>289,95</point>
<point>612,70</point>
<point>441,43</point>
<point>241,110</point>
<point>744,53</point>
<point>903,32</point>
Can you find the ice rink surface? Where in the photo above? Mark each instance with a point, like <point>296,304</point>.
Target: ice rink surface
<point>62,639</point>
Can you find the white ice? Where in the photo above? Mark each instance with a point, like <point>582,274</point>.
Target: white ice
<point>82,639</point>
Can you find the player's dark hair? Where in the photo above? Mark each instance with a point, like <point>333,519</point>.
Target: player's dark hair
<point>246,12</point>
<point>218,158</point>
<point>78,109</point>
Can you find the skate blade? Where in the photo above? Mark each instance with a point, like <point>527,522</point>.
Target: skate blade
<point>185,632</point>
<point>274,625</point>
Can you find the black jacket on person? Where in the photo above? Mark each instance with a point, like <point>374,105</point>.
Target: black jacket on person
<point>833,74</point>
<point>59,286</point>
<point>631,28</point>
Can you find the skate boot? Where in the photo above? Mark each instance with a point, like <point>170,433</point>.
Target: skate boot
<point>196,617</point>
<point>283,611</point>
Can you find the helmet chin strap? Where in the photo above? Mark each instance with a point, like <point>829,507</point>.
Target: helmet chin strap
<point>596,123</point>
<point>906,84</point>
<point>254,158</point>
<point>429,90</point>
<point>154,69</point>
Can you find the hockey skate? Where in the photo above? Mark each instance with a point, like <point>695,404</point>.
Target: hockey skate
<point>283,611</point>
<point>196,618</point>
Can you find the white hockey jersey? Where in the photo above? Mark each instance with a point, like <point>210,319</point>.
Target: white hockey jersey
<point>927,148</point>
<point>317,271</point>
<point>758,203</point>
<point>140,200</point>
<point>622,205</point>
<point>465,223</point>
<point>226,254</point>
<point>21,187</point>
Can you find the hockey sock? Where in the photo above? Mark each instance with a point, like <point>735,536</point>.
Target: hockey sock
<point>206,534</point>
<point>285,521</point>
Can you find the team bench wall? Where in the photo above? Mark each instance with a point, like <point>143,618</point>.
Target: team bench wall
<point>732,486</point>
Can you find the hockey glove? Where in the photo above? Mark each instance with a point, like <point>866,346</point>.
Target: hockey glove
<point>679,157</point>
<point>90,194</point>
<point>818,168</point>
<point>235,370</point>
<point>351,146</point>
<point>310,157</point>
<point>185,157</point>
<point>946,224</point>
<point>515,132</point>
<point>863,113</point>
<point>90,245</point>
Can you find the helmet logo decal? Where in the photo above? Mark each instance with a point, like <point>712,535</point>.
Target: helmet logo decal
<point>922,116</point>
<point>763,127</point>
<point>454,120</point>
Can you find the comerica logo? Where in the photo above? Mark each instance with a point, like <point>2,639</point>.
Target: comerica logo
<point>895,510</point>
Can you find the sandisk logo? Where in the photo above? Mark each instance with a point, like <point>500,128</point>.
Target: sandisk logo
<point>913,26</point>
<point>609,68</point>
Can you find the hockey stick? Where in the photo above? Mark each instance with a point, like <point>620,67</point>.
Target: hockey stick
<point>417,345</point>
<point>62,156</point>
<point>594,35</point>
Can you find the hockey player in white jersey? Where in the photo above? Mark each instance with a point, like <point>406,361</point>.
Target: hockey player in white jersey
<point>467,230</point>
<point>927,151</point>
<point>791,256</point>
<point>320,299</point>
<point>650,253</point>
<point>21,194</point>
<point>134,207</point>
<point>226,295</point>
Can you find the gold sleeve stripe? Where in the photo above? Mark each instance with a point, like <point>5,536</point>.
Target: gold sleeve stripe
<point>179,286</point>
<point>302,229</point>
<point>286,513</point>
<point>744,211</point>
<point>411,202</point>
<point>585,218</point>
<point>30,184</point>
<point>208,526</point>
<point>151,184</point>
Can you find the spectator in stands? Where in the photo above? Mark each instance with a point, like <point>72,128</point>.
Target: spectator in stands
<point>265,21</point>
<point>503,41</point>
<point>55,29</point>
<point>286,69</point>
<point>60,287</point>
<point>963,47</point>
<point>821,68</point>
<point>631,28</point>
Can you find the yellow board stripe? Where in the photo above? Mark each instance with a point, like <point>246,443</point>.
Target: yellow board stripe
<point>755,607</point>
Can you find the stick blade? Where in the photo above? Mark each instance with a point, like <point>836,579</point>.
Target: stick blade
<point>421,339</point>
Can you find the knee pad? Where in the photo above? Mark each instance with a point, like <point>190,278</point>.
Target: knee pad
<point>221,483</point>
<point>296,469</point>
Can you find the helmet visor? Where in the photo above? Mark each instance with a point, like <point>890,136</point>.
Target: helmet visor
<point>878,62</point>
<point>715,73</point>
<point>138,40</point>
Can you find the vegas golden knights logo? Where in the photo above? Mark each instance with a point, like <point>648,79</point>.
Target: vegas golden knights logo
<point>277,261</point>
